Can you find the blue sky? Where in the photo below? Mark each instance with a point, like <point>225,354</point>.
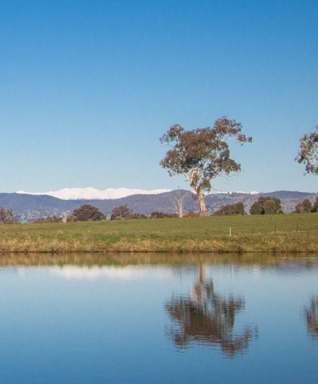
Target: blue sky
<point>88,87</point>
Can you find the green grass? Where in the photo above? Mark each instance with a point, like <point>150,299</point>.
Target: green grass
<point>270,234</point>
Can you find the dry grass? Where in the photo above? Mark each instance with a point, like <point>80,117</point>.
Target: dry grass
<point>124,259</point>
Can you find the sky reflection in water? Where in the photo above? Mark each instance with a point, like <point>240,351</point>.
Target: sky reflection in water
<point>159,324</point>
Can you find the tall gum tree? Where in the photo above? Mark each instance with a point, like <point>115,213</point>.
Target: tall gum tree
<point>202,154</point>
<point>308,152</point>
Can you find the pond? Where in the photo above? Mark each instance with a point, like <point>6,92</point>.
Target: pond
<point>187,322</point>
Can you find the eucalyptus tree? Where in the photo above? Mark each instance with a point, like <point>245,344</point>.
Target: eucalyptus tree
<point>304,207</point>
<point>308,152</point>
<point>179,196</point>
<point>202,154</point>
<point>87,212</point>
<point>266,205</point>
<point>7,216</point>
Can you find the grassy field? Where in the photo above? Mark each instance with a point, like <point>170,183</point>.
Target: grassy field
<point>216,234</point>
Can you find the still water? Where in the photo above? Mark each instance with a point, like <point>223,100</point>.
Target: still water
<point>211,323</point>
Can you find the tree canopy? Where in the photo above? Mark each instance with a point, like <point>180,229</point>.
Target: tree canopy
<point>7,216</point>
<point>202,154</point>
<point>121,212</point>
<point>87,212</point>
<point>266,206</point>
<point>304,206</point>
<point>231,209</point>
<point>308,152</point>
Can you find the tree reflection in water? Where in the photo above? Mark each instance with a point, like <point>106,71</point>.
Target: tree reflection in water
<point>206,317</point>
<point>311,313</point>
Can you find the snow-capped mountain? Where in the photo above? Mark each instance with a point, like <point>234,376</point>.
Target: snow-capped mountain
<point>234,192</point>
<point>91,193</point>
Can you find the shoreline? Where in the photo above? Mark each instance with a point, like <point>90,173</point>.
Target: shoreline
<point>159,259</point>
<point>270,245</point>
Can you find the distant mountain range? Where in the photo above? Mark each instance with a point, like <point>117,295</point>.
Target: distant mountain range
<point>90,193</point>
<point>32,206</point>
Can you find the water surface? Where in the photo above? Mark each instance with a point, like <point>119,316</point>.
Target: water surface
<point>182,323</point>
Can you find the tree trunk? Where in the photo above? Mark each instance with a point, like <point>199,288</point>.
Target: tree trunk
<point>202,205</point>
<point>179,207</point>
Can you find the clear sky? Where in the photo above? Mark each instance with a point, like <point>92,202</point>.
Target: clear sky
<point>88,87</point>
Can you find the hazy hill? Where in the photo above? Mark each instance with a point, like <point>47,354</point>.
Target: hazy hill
<point>29,207</point>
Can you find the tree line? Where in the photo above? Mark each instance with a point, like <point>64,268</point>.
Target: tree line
<point>263,206</point>
<point>88,212</point>
<point>266,205</point>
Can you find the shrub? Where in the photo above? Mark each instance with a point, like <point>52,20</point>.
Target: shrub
<point>191,214</point>
<point>231,209</point>
<point>137,216</point>
<point>121,212</point>
<point>304,207</point>
<point>87,213</point>
<point>49,219</point>
<point>266,206</point>
<point>161,215</point>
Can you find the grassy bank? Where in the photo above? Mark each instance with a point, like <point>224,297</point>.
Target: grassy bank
<point>171,259</point>
<point>267,234</point>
